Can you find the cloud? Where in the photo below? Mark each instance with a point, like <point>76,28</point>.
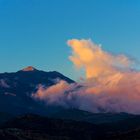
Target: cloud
<point>54,94</point>
<point>3,83</point>
<point>110,85</point>
<point>94,60</point>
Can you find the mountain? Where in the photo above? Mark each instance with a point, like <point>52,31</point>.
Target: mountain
<point>15,98</point>
<point>54,122</point>
<point>16,89</point>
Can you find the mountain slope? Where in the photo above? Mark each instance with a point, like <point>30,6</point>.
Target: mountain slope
<point>16,89</point>
<point>96,118</point>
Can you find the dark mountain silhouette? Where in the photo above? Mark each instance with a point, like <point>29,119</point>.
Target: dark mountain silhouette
<point>15,98</point>
<point>16,89</point>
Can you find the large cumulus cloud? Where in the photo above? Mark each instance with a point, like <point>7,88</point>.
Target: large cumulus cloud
<point>110,84</point>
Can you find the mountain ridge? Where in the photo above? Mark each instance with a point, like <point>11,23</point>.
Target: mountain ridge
<point>16,89</point>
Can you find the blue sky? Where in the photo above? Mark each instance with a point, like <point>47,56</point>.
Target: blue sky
<point>35,32</point>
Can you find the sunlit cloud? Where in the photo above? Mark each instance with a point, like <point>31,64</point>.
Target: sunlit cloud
<point>96,62</point>
<point>110,85</point>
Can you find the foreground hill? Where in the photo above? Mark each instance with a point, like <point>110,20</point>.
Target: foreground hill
<point>5,117</point>
<point>35,127</point>
<point>42,128</point>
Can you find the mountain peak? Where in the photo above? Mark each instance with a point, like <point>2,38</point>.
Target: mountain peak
<point>29,68</point>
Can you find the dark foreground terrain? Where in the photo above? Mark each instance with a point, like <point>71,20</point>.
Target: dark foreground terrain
<point>35,127</point>
<point>42,128</point>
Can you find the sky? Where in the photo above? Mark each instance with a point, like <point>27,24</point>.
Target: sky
<point>35,32</point>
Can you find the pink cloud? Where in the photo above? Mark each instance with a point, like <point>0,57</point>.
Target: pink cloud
<point>110,84</point>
